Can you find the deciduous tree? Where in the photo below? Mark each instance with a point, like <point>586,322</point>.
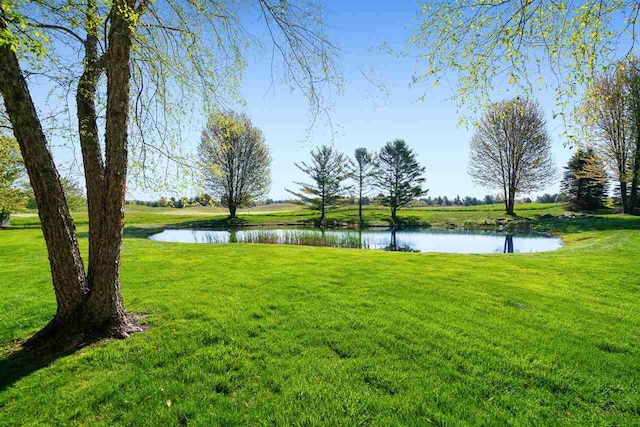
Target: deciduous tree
<point>560,45</point>
<point>511,150</point>
<point>11,172</point>
<point>168,55</point>
<point>235,160</point>
<point>605,115</point>
<point>363,172</point>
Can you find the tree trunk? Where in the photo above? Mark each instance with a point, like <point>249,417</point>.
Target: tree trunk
<point>624,197</point>
<point>360,203</point>
<point>394,218</point>
<point>67,270</point>
<point>510,202</point>
<point>634,203</point>
<point>232,210</point>
<point>90,142</point>
<point>105,301</point>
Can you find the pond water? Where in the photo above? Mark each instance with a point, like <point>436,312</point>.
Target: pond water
<point>413,240</point>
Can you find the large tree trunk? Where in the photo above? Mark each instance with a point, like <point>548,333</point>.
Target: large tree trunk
<point>232,210</point>
<point>67,269</point>
<point>89,140</point>
<point>105,301</point>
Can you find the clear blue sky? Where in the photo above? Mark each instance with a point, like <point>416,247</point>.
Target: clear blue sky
<point>362,116</point>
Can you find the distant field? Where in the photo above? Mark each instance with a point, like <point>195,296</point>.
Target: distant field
<point>212,210</point>
<point>292,214</point>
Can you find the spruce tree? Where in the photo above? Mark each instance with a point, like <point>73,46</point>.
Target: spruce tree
<point>584,183</point>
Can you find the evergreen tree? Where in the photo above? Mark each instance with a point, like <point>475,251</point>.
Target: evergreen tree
<point>328,169</point>
<point>400,176</point>
<point>584,183</point>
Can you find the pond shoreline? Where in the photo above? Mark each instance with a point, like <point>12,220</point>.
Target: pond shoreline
<point>416,239</point>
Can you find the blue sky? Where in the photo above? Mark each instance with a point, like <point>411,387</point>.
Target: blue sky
<point>362,116</point>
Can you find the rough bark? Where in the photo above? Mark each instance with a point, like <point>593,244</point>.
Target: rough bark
<point>67,269</point>
<point>105,301</point>
<point>89,140</point>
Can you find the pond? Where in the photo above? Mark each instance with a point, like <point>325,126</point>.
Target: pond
<point>412,240</point>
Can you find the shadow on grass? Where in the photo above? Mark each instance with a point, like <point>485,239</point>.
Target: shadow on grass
<point>407,222</point>
<point>26,361</point>
<point>586,223</point>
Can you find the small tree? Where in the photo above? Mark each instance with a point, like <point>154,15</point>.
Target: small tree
<point>11,172</point>
<point>400,176</point>
<point>584,184</point>
<point>235,160</point>
<point>511,150</point>
<point>363,173</point>
<point>328,169</point>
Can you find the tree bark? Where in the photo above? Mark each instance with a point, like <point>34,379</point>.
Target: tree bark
<point>232,210</point>
<point>89,140</point>
<point>510,202</point>
<point>624,197</point>
<point>634,203</point>
<point>105,301</point>
<point>67,270</point>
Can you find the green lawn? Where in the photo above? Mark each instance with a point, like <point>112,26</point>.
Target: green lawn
<point>259,334</point>
<point>289,214</point>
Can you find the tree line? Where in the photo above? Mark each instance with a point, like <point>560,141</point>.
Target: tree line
<point>236,167</point>
<point>394,171</point>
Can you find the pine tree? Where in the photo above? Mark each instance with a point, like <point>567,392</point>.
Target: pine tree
<point>400,177</point>
<point>328,169</point>
<point>584,183</point>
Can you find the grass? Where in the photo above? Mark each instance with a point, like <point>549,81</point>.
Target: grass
<point>470,216</point>
<point>295,335</point>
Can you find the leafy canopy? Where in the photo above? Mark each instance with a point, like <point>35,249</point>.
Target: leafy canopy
<point>531,44</point>
<point>11,174</point>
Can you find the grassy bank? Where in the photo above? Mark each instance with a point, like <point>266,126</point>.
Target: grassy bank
<point>295,215</point>
<point>264,334</point>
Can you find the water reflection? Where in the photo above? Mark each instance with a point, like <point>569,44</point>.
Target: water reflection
<point>508,244</point>
<point>414,240</point>
<point>393,246</point>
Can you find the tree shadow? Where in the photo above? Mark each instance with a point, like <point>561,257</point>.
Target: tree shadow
<point>407,222</point>
<point>585,223</point>
<point>26,360</point>
<point>142,232</point>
